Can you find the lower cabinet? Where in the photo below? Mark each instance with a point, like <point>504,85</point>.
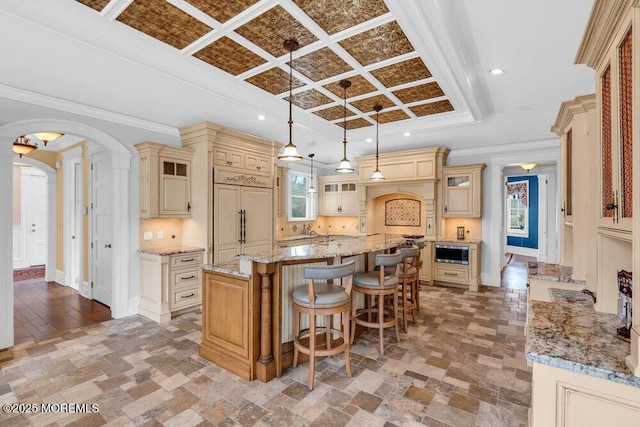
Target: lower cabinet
<point>458,274</point>
<point>426,257</point>
<point>560,397</point>
<point>169,284</point>
<point>230,319</point>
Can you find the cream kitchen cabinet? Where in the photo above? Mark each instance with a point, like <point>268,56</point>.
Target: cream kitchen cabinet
<point>462,188</point>
<point>281,190</point>
<point>243,220</point>
<point>426,257</point>
<point>223,156</point>
<point>338,196</point>
<point>164,181</point>
<point>169,283</point>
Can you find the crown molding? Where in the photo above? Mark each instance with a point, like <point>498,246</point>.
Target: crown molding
<point>519,147</point>
<point>569,108</point>
<point>84,110</point>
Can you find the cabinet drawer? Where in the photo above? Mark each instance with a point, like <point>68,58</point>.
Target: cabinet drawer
<point>185,298</point>
<point>451,274</point>
<point>185,277</point>
<point>186,260</point>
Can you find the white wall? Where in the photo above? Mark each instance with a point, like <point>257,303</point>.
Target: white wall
<point>493,230</point>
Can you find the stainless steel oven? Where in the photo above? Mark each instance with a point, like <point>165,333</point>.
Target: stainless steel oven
<point>452,254</point>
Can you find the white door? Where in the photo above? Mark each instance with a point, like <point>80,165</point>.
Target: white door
<point>73,254</point>
<point>37,218</point>
<point>101,228</point>
<point>257,204</point>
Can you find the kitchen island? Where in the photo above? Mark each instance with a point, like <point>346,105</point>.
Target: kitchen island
<point>247,324</point>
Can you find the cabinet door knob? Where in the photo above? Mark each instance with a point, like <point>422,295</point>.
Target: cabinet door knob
<point>108,245</point>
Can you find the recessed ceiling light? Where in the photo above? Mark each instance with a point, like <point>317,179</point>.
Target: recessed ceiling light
<point>369,140</point>
<point>407,134</point>
<point>311,144</point>
<point>524,108</point>
<point>261,117</point>
<point>498,71</point>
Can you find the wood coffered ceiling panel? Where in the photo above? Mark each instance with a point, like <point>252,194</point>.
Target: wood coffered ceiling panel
<point>419,93</point>
<point>359,86</point>
<point>320,64</point>
<point>334,16</point>
<point>163,21</point>
<point>333,113</point>
<point>222,11</point>
<point>380,43</point>
<point>270,29</point>
<point>402,72</point>
<point>94,4</point>
<point>391,116</point>
<point>229,56</point>
<point>432,108</point>
<point>355,124</point>
<point>274,80</point>
<point>366,105</point>
<point>309,99</point>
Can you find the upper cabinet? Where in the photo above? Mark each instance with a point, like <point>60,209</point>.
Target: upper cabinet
<point>338,195</point>
<point>223,156</point>
<point>462,188</point>
<point>165,181</point>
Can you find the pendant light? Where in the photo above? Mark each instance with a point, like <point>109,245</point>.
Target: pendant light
<point>290,152</point>
<point>22,146</point>
<point>377,175</point>
<point>345,165</point>
<point>312,188</point>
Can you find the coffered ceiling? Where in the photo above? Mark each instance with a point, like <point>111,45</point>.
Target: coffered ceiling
<point>159,65</point>
<point>357,40</point>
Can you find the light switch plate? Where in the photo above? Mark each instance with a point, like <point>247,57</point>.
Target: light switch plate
<point>159,235</point>
<point>147,235</point>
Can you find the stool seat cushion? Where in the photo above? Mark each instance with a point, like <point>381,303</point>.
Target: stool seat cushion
<point>370,279</point>
<point>326,294</point>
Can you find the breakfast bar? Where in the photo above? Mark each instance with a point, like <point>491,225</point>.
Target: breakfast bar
<point>246,305</point>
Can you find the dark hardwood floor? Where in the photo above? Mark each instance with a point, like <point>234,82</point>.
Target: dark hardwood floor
<point>44,310</point>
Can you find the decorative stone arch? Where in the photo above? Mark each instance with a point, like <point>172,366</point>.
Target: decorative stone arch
<point>121,262</point>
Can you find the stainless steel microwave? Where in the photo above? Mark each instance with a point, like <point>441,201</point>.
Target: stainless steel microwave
<point>452,254</point>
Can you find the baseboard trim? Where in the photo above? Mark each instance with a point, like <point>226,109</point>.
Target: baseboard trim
<point>59,279</point>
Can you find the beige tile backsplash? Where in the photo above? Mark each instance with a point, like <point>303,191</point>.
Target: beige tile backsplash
<point>171,229</point>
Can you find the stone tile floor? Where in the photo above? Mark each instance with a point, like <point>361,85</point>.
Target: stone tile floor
<point>462,364</point>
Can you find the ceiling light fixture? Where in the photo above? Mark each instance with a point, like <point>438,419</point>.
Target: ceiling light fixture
<point>47,136</point>
<point>345,165</point>
<point>498,71</point>
<point>368,140</point>
<point>22,146</point>
<point>407,134</point>
<point>290,152</point>
<point>377,175</point>
<point>312,189</point>
<point>261,117</point>
<point>528,166</point>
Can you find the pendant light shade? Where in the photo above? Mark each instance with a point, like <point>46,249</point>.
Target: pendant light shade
<point>345,165</point>
<point>290,152</point>
<point>377,175</point>
<point>22,146</point>
<point>47,136</point>
<point>312,189</point>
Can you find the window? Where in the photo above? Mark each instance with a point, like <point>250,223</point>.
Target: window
<point>301,203</point>
<point>518,209</point>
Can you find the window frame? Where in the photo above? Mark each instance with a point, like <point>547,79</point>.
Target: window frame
<point>310,197</point>
<point>524,232</point>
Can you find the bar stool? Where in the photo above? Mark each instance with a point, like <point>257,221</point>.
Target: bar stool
<point>379,283</point>
<point>408,288</point>
<point>419,264</point>
<point>323,299</point>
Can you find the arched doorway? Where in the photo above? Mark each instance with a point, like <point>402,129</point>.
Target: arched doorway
<point>122,280</point>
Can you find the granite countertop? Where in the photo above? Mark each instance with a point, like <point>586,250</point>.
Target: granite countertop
<point>347,247</point>
<point>552,272</point>
<point>171,250</point>
<point>314,236</point>
<point>228,267</point>
<point>568,333</point>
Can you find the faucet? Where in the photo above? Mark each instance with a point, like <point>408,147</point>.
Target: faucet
<point>313,233</point>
